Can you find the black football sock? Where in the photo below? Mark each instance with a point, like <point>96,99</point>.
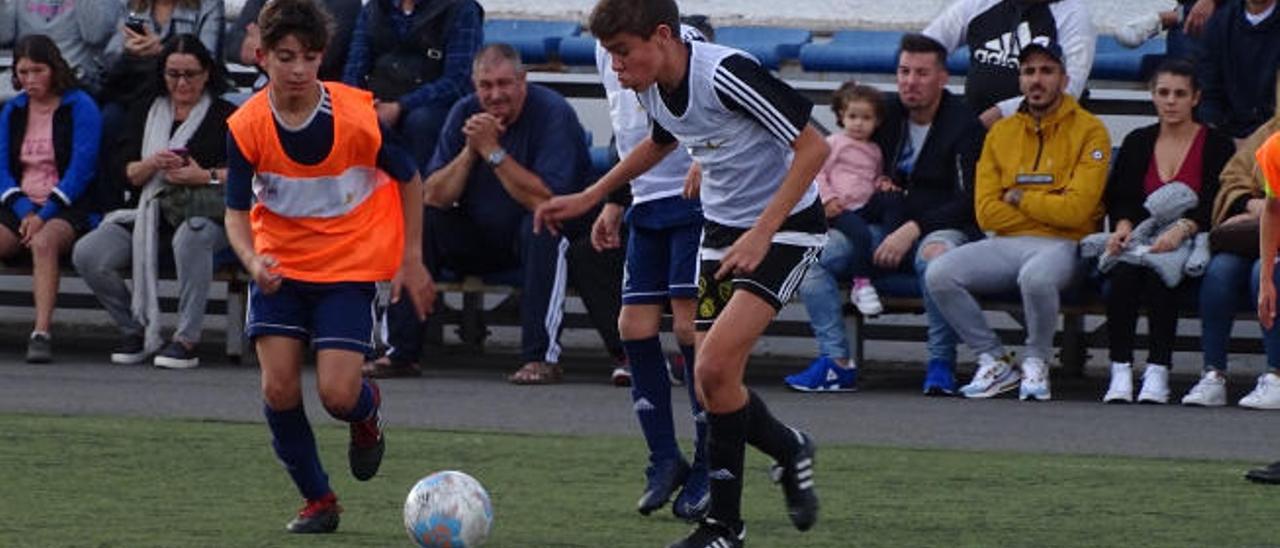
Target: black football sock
<point>767,433</point>
<point>726,446</point>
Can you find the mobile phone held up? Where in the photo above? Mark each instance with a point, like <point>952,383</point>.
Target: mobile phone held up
<point>136,23</point>
<point>182,153</point>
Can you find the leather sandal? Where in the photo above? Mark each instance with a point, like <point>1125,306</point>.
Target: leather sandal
<point>537,373</point>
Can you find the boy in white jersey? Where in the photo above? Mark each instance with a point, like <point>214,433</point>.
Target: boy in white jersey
<point>764,224</point>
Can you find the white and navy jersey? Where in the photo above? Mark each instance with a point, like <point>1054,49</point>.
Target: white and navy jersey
<point>631,126</point>
<point>738,122</point>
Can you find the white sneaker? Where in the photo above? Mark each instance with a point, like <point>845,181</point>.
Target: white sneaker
<point>1211,391</point>
<point>1155,384</point>
<point>1134,33</point>
<point>1266,395</point>
<point>866,300</point>
<point>994,376</point>
<point>1121,389</point>
<point>1035,380</point>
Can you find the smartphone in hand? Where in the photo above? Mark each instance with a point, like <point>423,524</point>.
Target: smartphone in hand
<point>182,153</point>
<point>136,24</point>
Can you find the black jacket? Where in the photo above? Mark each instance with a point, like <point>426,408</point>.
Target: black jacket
<point>1125,195</point>
<point>1238,70</point>
<point>939,192</point>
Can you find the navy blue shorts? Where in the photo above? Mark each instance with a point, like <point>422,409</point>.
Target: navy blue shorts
<point>661,264</point>
<point>327,315</point>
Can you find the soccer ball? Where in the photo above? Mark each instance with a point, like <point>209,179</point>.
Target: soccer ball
<point>448,510</point>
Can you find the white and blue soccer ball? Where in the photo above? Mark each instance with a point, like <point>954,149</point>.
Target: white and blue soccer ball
<point>448,509</point>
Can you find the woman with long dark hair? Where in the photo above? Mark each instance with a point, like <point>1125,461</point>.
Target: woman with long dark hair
<point>50,131</point>
<point>1176,149</point>
<point>172,153</point>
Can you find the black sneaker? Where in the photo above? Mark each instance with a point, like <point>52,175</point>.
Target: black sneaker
<point>661,481</point>
<point>39,348</point>
<point>131,349</point>
<point>364,453</point>
<point>177,356</point>
<point>318,516</point>
<point>712,534</point>
<point>1267,474</point>
<point>796,478</point>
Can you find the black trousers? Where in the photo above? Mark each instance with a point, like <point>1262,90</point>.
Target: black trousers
<point>1133,287</point>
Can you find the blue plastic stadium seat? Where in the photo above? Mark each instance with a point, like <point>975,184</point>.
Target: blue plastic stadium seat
<point>602,160</point>
<point>958,61</point>
<point>871,51</point>
<point>770,45</point>
<point>1116,62</point>
<point>578,51</point>
<point>537,41</point>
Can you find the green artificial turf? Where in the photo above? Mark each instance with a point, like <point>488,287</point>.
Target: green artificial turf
<point>139,482</point>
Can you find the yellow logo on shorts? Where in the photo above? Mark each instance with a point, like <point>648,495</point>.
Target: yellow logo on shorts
<point>726,290</point>
<point>707,309</point>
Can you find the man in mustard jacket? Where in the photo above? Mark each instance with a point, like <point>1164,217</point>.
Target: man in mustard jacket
<point>1037,192</point>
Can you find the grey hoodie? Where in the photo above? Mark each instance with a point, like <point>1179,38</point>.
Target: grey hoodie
<point>80,28</point>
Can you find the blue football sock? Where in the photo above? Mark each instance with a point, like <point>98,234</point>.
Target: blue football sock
<point>295,446</point>
<point>651,397</point>
<point>364,407</point>
<point>699,417</point>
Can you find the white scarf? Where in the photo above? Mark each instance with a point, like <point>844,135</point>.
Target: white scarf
<point>145,304</point>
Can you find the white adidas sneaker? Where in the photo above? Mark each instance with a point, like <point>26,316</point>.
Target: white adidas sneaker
<point>1121,388</point>
<point>1211,391</point>
<point>1266,395</point>
<point>1155,384</point>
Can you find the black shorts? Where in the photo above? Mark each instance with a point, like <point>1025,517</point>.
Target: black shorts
<point>795,246</point>
<point>78,220</point>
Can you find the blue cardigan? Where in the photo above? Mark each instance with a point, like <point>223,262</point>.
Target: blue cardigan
<point>77,132</point>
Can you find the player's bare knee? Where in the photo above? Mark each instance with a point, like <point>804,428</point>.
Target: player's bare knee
<point>338,401</point>
<point>281,395</point>
<point>639,323</point>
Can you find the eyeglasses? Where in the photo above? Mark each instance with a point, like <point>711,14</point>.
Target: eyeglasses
<point>188,75</point>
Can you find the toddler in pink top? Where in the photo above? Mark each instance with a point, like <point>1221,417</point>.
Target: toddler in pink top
<point>853,189</point>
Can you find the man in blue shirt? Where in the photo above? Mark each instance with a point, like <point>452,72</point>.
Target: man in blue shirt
<point>415,56</point>
<point>503,151</point>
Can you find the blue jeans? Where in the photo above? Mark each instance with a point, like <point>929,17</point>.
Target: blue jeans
<point>942,338</point>
<point>1221,298</point>
<point>820,291</point>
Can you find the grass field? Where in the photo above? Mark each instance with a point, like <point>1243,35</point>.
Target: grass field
<point>136,482</point>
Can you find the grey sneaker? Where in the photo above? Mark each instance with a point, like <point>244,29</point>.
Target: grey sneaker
<point>39,348</point>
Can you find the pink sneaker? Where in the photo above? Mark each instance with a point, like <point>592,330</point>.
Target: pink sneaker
<point>864,297</point>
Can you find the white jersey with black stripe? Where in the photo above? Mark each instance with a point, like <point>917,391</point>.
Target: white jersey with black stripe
<point>744,159</point>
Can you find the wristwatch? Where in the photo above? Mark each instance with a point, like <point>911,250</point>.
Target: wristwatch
<point>496,157</point>
<point>213,176</point>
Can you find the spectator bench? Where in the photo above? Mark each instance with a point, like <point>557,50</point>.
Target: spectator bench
<point>1073,339</point>
<point>233,306</point>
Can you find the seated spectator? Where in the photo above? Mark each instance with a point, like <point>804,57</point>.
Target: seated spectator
<point>415,56</point>
<point>79,29</point>
<point>1241,55</point>
<point>1037,192</point>
<point>504,149</point>
<point>134,51</point>
<point>930,140</point>
<point>854,190</point>
<point>50,131</point>
<point>1232,279</point>
<point>997,30</point>
<point>243,38</point>
<point>172,149</point>
<point>1176,149</point>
